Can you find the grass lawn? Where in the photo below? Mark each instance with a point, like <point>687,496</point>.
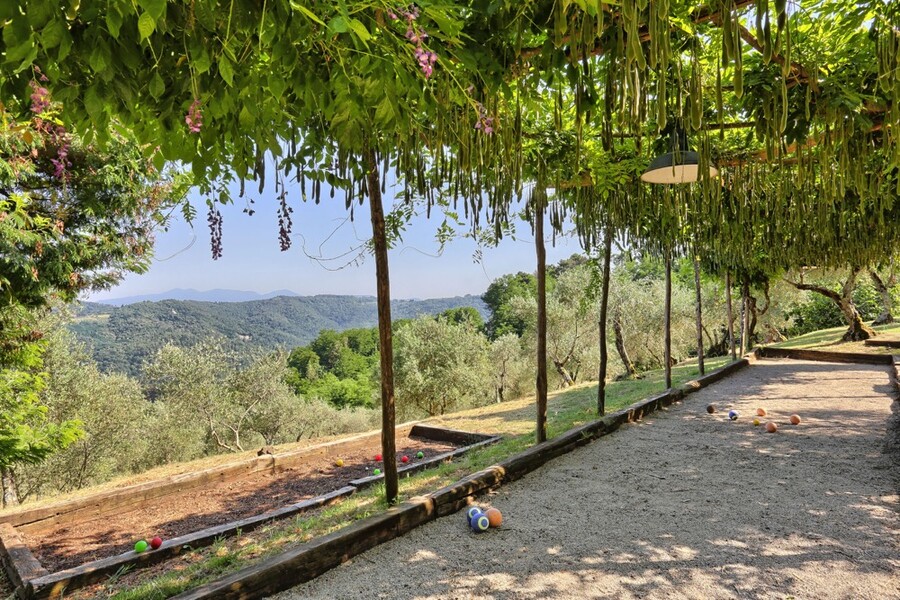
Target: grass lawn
<point>830,339</point>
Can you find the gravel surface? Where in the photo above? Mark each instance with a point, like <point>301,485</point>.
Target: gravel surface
<point>683,505</point>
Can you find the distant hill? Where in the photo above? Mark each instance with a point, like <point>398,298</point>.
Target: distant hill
<point>122,337</point>
<point>202,296</point>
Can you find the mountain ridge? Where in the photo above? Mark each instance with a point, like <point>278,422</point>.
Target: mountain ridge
<point>121,338</point>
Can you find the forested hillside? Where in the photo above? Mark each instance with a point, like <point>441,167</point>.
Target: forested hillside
<point>121,338</point>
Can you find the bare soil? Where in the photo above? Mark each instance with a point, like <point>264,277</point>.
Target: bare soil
<point>683,505</point>
<point>177,514</point>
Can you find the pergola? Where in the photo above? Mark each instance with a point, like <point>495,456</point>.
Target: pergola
<point>469,103</point>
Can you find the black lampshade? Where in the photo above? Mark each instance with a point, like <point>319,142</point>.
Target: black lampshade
<point>682,165</point>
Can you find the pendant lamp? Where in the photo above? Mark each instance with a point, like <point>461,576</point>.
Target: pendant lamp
<point>680,165</point>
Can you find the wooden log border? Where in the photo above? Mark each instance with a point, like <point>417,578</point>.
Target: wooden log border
<point>32,581</point>
<point>19,563</point>
<point>307,561</point>
<point>883,343</point>
<point>824,355</point>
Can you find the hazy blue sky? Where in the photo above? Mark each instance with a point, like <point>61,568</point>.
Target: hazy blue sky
<point>252,260</point>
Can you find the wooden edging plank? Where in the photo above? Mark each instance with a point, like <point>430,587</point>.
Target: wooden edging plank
<point>365,482</point>
<point>442,434</point>
<point>310,560</point>
<point>883,343</point>
<point>18,561</point>
<point>824,355</point>
<point>52,585</point>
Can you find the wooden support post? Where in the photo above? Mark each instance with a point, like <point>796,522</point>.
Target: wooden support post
<point>699,311</point>
<point>745,316</point>
<point>730,315</point>
<point>538,207</point>
<point>668,321</point>
<point>604,307</point>
<point>386,351</point>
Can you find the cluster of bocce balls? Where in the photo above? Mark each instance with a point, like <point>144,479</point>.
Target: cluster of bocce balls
<point>482,520</point>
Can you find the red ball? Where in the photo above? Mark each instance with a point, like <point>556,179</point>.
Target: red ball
<point>405,459</point>
<point>377,457</point>
<point>156,542</point>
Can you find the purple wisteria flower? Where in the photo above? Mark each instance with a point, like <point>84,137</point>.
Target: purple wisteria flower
<point>194,117</point>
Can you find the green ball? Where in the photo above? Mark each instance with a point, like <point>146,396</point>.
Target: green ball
<point>420,454</point>
<point>140,546</point>
<point>376,472</point>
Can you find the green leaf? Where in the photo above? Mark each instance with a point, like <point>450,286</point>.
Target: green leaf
<point>157,87</point>
<point>93,103</point>
<point>200,59</point>
<point>359,30</point>
<point>310,14</point>
<point>246,119</point>
<point>113,22</point>
<point>339,24</point>
<point>146,26</point>
<point>18,39</point>
<point>99,59</point>
<point>53,33</point>
<point>226,70</point>
<point>156,8</point>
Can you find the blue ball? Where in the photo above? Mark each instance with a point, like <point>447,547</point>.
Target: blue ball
<point>480,523</point>
<point>733,415</point>
<point>474,510</point>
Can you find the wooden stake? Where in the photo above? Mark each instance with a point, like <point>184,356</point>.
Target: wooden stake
<point>604,306</point>
<point>382,277</point>
<point>729,315</point>
<point>668,322</point>
<point>541,317</point>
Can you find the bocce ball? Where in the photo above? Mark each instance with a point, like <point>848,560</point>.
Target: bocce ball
<point>339,462</point>
<point>405,459</point>
<point>755,422</point>
<point>480,523</point>
<point>495,517</point>
<point>420,454</point>
<point>795,419</point>
<point>156,542</point>
<point>140,546</point>
<point>710,409</point>
<point>761,412</point>
<point>378,457</point>
<point>733,415</point>
<point>473,510</point>
<point>376,472</point>
<point>771,427</point>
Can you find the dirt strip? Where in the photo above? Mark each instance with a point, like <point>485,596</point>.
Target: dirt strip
<point>683,505</point>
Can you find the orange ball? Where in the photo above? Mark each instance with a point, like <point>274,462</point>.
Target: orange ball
<point>771,427</point>
<point>495,517</point>
<point>795,419</point>
<point>761,412</point>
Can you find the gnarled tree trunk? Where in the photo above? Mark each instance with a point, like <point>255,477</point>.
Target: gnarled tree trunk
<point>10,496</point>
<point>699,314</point>
<point>884,292</point>
<point>630,371</point>
<point>857,330</point>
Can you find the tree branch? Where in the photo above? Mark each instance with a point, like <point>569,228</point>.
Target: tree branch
<point>809,287</point>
